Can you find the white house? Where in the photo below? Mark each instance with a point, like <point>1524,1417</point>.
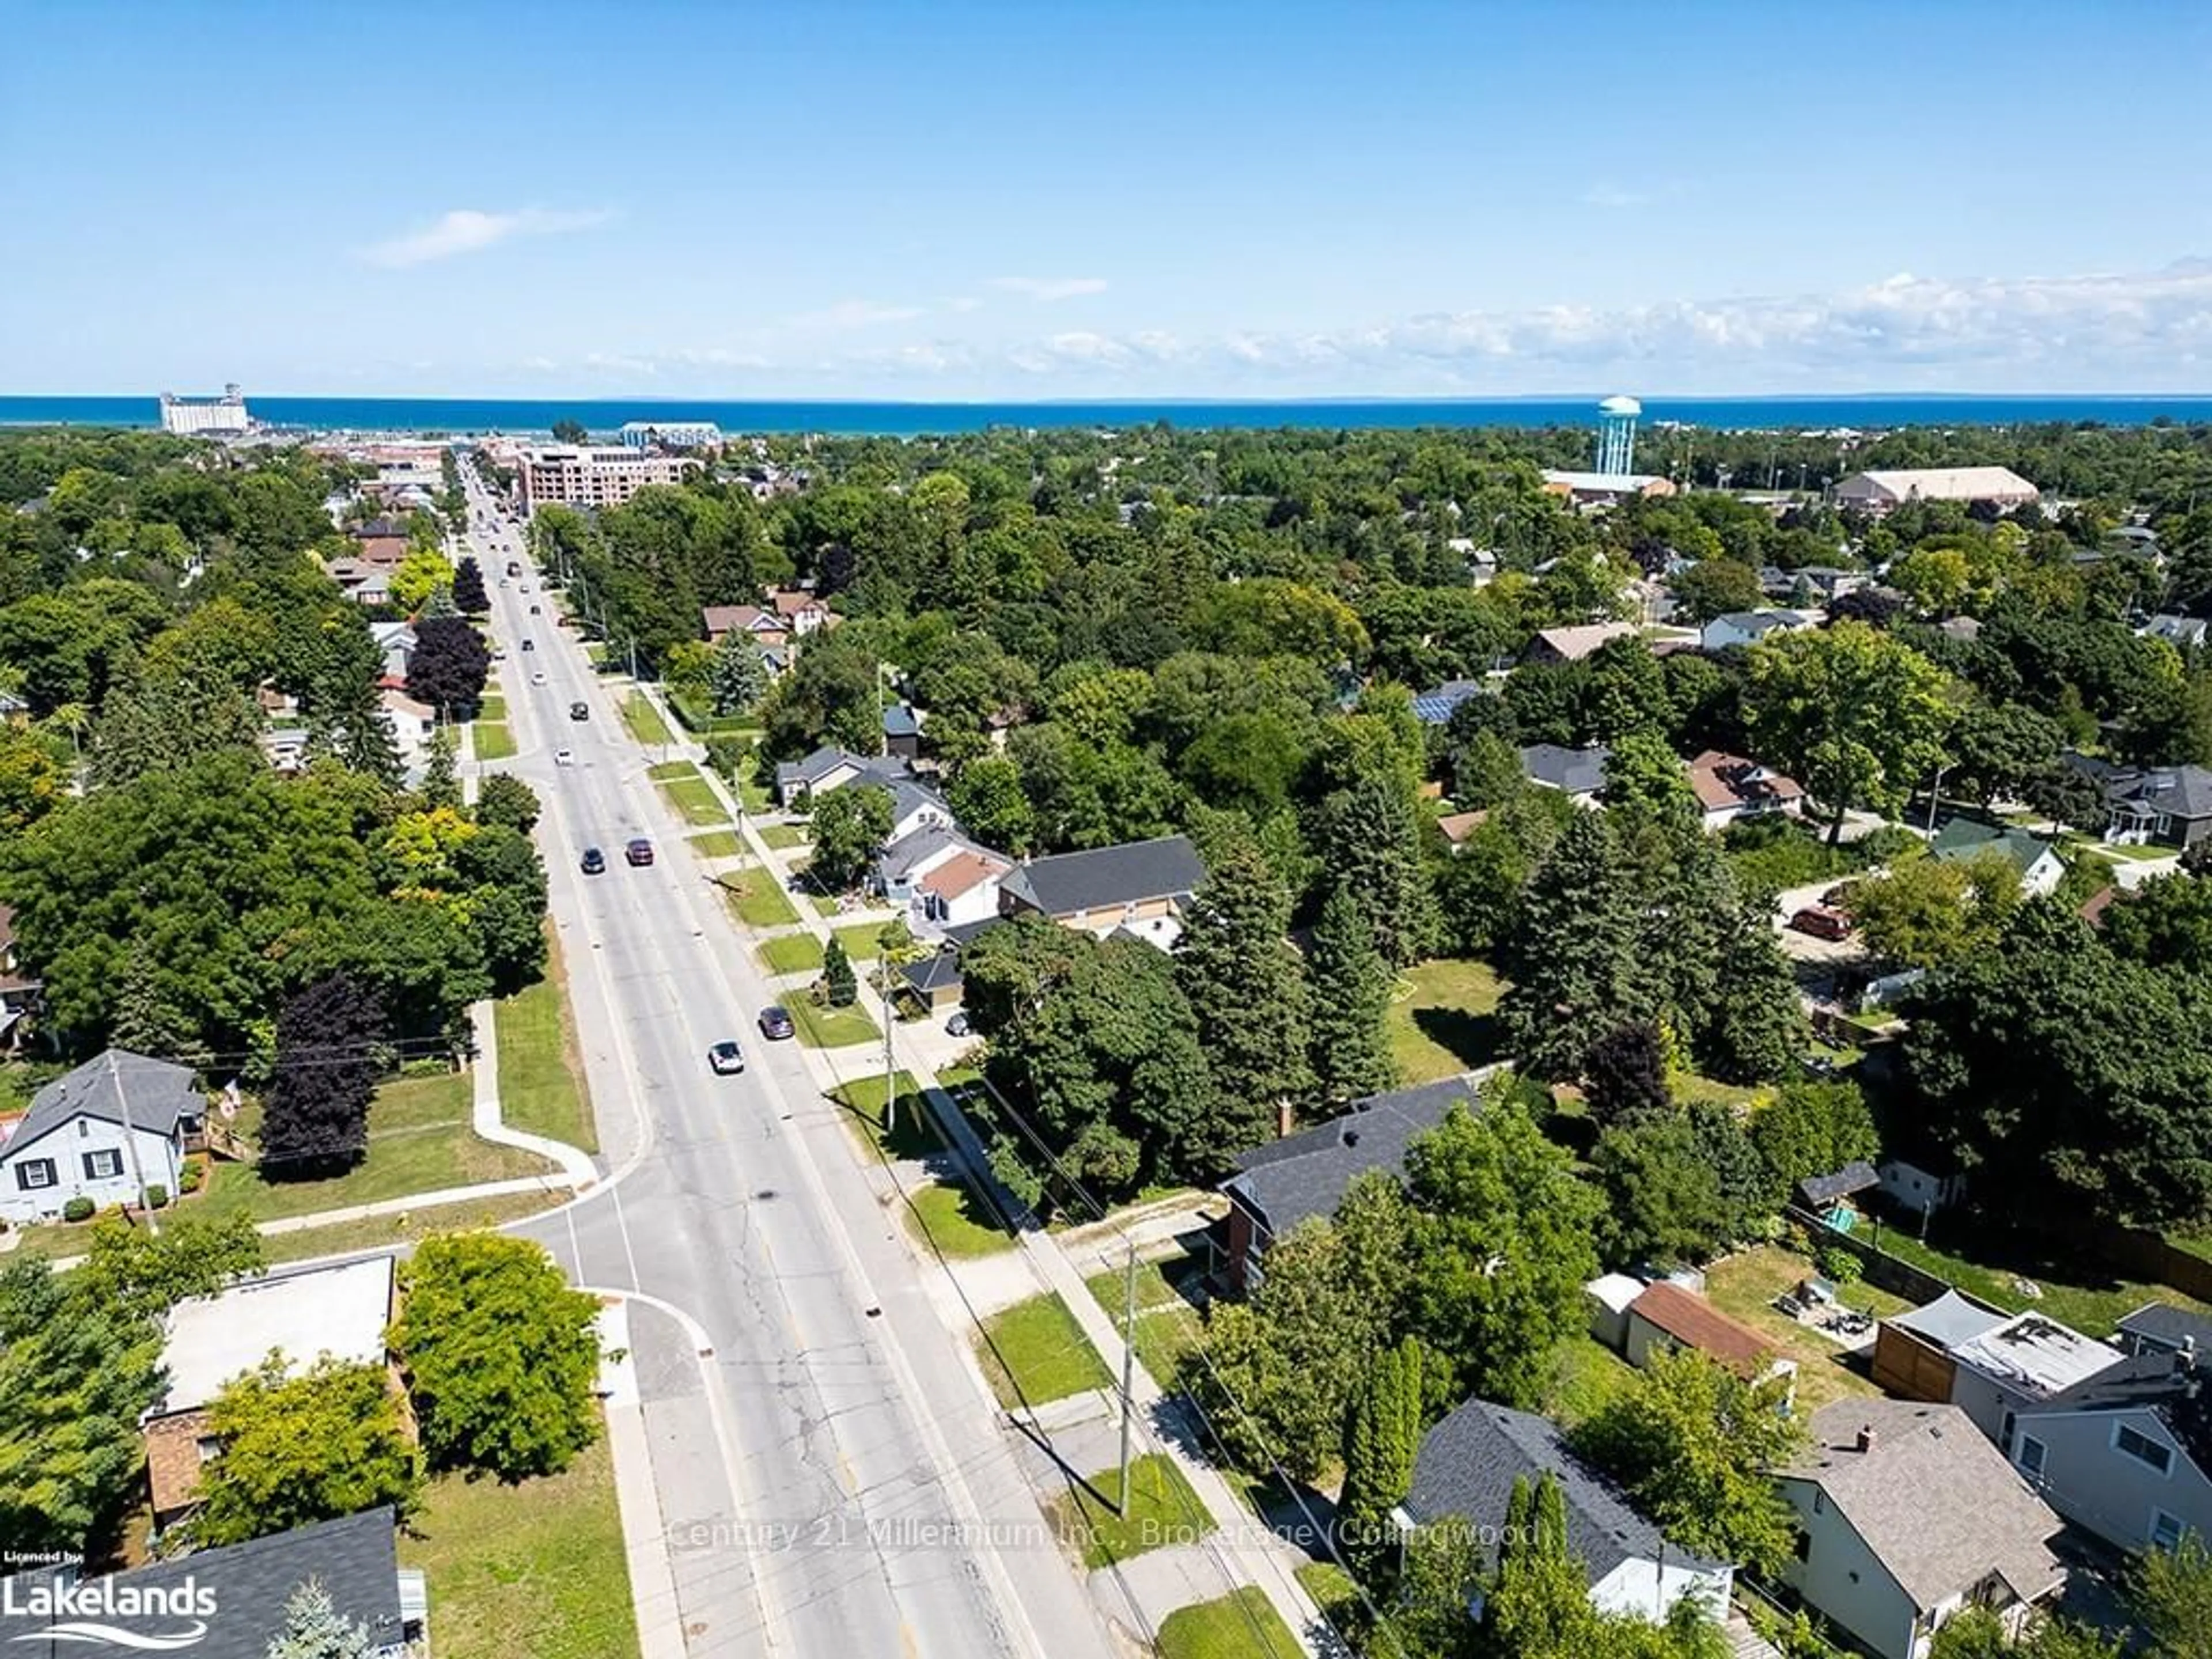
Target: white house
<point>412,723</point>
<point>71,1143</point>
<point>948,878</point>
<point>1466,1469</point>
<point>1907,1515</point>
<point>1734,628</point>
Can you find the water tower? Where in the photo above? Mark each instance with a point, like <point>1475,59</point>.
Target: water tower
<point>1616,436</point>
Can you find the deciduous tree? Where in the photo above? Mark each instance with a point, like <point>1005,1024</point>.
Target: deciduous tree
<point>469,594</point>
<point>299,1447</point>
<point>851,826</point>
<point>449,667</point>
<point>328,1053</point>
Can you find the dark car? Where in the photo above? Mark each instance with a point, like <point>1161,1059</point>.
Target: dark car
<point>528,645</point>
<point>595,861</point>
<point>513,568</point>
<point>726,1058</point>
<point>1821,922</point>
<point>533,609</point>
<point>958,1025</point>
<point>776,1024</point>
<point>578,711</point>
<point>639,851</point>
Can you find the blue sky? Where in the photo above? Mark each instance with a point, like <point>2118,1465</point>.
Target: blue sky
<point>957,199</point>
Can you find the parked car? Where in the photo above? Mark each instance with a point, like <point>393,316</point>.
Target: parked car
<point>595,861</point>
<point>564,757</point>
<point>1821,922</point>
<point>578,711</point>
<point>726,1058</point>
<point>958,1025</point>
<point>776,1024</point>
<point>640,851</point>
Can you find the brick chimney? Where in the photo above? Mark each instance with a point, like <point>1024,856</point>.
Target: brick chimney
<point>1866,1437</point>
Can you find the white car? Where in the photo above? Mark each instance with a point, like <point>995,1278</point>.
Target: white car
<point>537,678</point>
<point>564,757</point>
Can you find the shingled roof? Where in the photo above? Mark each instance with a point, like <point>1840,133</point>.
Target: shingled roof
<point>160,1094</point>
<point>1108,878</point>
<point>1305,1174</point>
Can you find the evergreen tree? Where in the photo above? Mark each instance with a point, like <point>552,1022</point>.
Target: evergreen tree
<point>144,1023</point>
<point>316,1115</point>
<point>313,1629</point>
<point>469,594</point>
<point>1351,1001</point>
<point>839,987</point>
<point>1571,954</point>
<point>161,721</point>
<point>1371,843</point>
<point>1625,1074</point>
<point>1381,1437</point>
<point>1758,1024</point>
<point>1240,972</point>
<point>737,676</point>
<point>442,783</point>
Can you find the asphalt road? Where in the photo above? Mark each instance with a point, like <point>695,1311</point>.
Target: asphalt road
<point>811,1468</point>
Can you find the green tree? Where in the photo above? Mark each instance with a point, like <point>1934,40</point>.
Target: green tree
<point>839,987</point>
<point>1624,695</point>
<point>1663,1199</point>
<point>1812,1128</point>
<point>1506,1240</point>
<point>1644,777</point>
<point>737,674</point>
<point>423,571</point>
<point>1625,1074</point>
<point>127,1267</point>
<point>569,430</point>
<point>298,1448</point>
<point>988,800</point>
<point>686,666</point>
<point>162,722</point>
<point>1351,1003</point>
<point>1926,912</point>
<point>1855,715</point>
<point>2169,1593</point>
<point>1694,1445</point>
<point>851,826</point>
<point>314,1629</point>
<point>1238,971</point>
<point>1713,588</point>
<point>501,1355</point>
<point>1370,843</point>
<point>1572,955</point>
<point>1757,1029</point>
<point>503,798</point>
<point>1383,1436</point>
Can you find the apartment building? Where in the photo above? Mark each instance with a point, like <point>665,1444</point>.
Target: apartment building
<point>566,475</point>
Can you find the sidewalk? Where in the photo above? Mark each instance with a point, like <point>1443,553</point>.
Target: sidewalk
<point>1236,1549</point>
<point>577,1169</point>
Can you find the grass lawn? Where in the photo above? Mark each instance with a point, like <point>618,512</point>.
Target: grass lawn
<point>783,835</point>
<point>1744,1286</point>
<point>1162,1510</point>
<point>911,1135</point>
<point>384,1231</point>
<point>860,941</point>
<point>1690,1087</point>
<point>419,1141</point>
<point>1242,1625</point>
<point>644,720</point>
<point>831,1027</point>
<point>491,707</point>
<point>757,900</point>
<point>1585,1377</point>
<point>1332,1590</point>
<point>958,1221</point>
<point>536,1568</point>
<point>1168,1328</point>
<point>493,741</point>
<point>825,904</point>
<point>1442,1019</point>
<point>695,798</point>
<point>791,953</point>
<point>541,1085</point>
<point>718,844</point>
<point>1034,1351</point>
<point>2076,1291</point>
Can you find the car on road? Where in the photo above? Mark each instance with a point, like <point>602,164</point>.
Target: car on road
<point>640,851</point>
<point>1818,921</point>
<point>958,1025</point>
<point>595,861</point>
<point>533,611</point>
<point>538,679</point>
<point>776,1024</point>
<point>514,568</point>
<point>564,757</point>
<point>530,645</point>
<point>726,1058</point>
<point>523,588</point>
<point>579,711</point>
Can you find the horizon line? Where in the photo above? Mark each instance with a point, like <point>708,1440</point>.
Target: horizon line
<point>1138,401</point>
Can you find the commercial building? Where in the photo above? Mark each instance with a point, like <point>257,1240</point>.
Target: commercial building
<point>1879,492</point>
<point>198,416</point>
<point>670,434</point>
<point>566,475</point>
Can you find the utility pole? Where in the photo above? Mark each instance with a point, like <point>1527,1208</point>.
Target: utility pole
<point>130,1143</point>
<point>890,1073</point>
<point>1128,1371</point>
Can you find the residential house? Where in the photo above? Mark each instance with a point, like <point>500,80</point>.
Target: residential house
<point>1458,828</point>
<point>2127,1453</point>
<point>20,992</point>
<point>1436,708</point>
<point>1827,581</point>
<point>411,723</point>
<point>395,643</point>
<point>1906,1516</point>
<point>1964,840</point>
<point>1560,645</point>
<point>285,748</point>
<point>2168,804</point>
<point>764,627</point>
<point>361,582</point>
<point>2182,633</point>
<point>1880,492</point>
<point>2160,1327</point>
<point>1665,1317</point>
<point>801,611</point>
<point>1307,1174</point>
<point>1138,887</point>
<point>353,1558</point>
<point>1577,774</point>
<point>1823,1193</point>
<point>71,1143</point>
<point>1466,1470</point>
<point>1739,627</point>
<point>381,542</point>
<point>830,767</point>
<point>945,876</point>
<point>933,981</point>
<point>339,1313</point>
<point>1729,788</point>
<point>902,732</point>
<point>914,806</point>
<point>1993,1365</point>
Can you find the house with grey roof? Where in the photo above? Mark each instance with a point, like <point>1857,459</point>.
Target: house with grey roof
<point>355,1559</point>
<point>1735,628</point>
<point>1962,841</point>
<point>2167,804</point>
<point>2126,1455</point>
<point>1307,1175</point>
<point>1577,774</point>
<point>2182,633</point>
<point>72,1144</point>
<point>1993,1365</point>
<point>1464,1472</point>
<point>831,768</point>
<point>903,730</point>
<point>2161,1328</point>
<point>1906,1514</point>
<point>1138,887</point>
<point>1436,706</point>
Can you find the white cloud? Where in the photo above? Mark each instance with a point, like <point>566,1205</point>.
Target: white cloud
<point>467,230</point>
<point>1050,287</point>
<point>964,302</point>
<point>855,313</point>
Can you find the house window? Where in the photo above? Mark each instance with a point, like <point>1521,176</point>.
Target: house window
<point>208,1448</point>
<point>34,1173</point>
<point>2165,1531</point>
<point>2031,1454</point>
<point>100,1165</point>
<point>2142,1447</point>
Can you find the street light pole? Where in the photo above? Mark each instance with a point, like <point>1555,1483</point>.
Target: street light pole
<point>1128,1371</point>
